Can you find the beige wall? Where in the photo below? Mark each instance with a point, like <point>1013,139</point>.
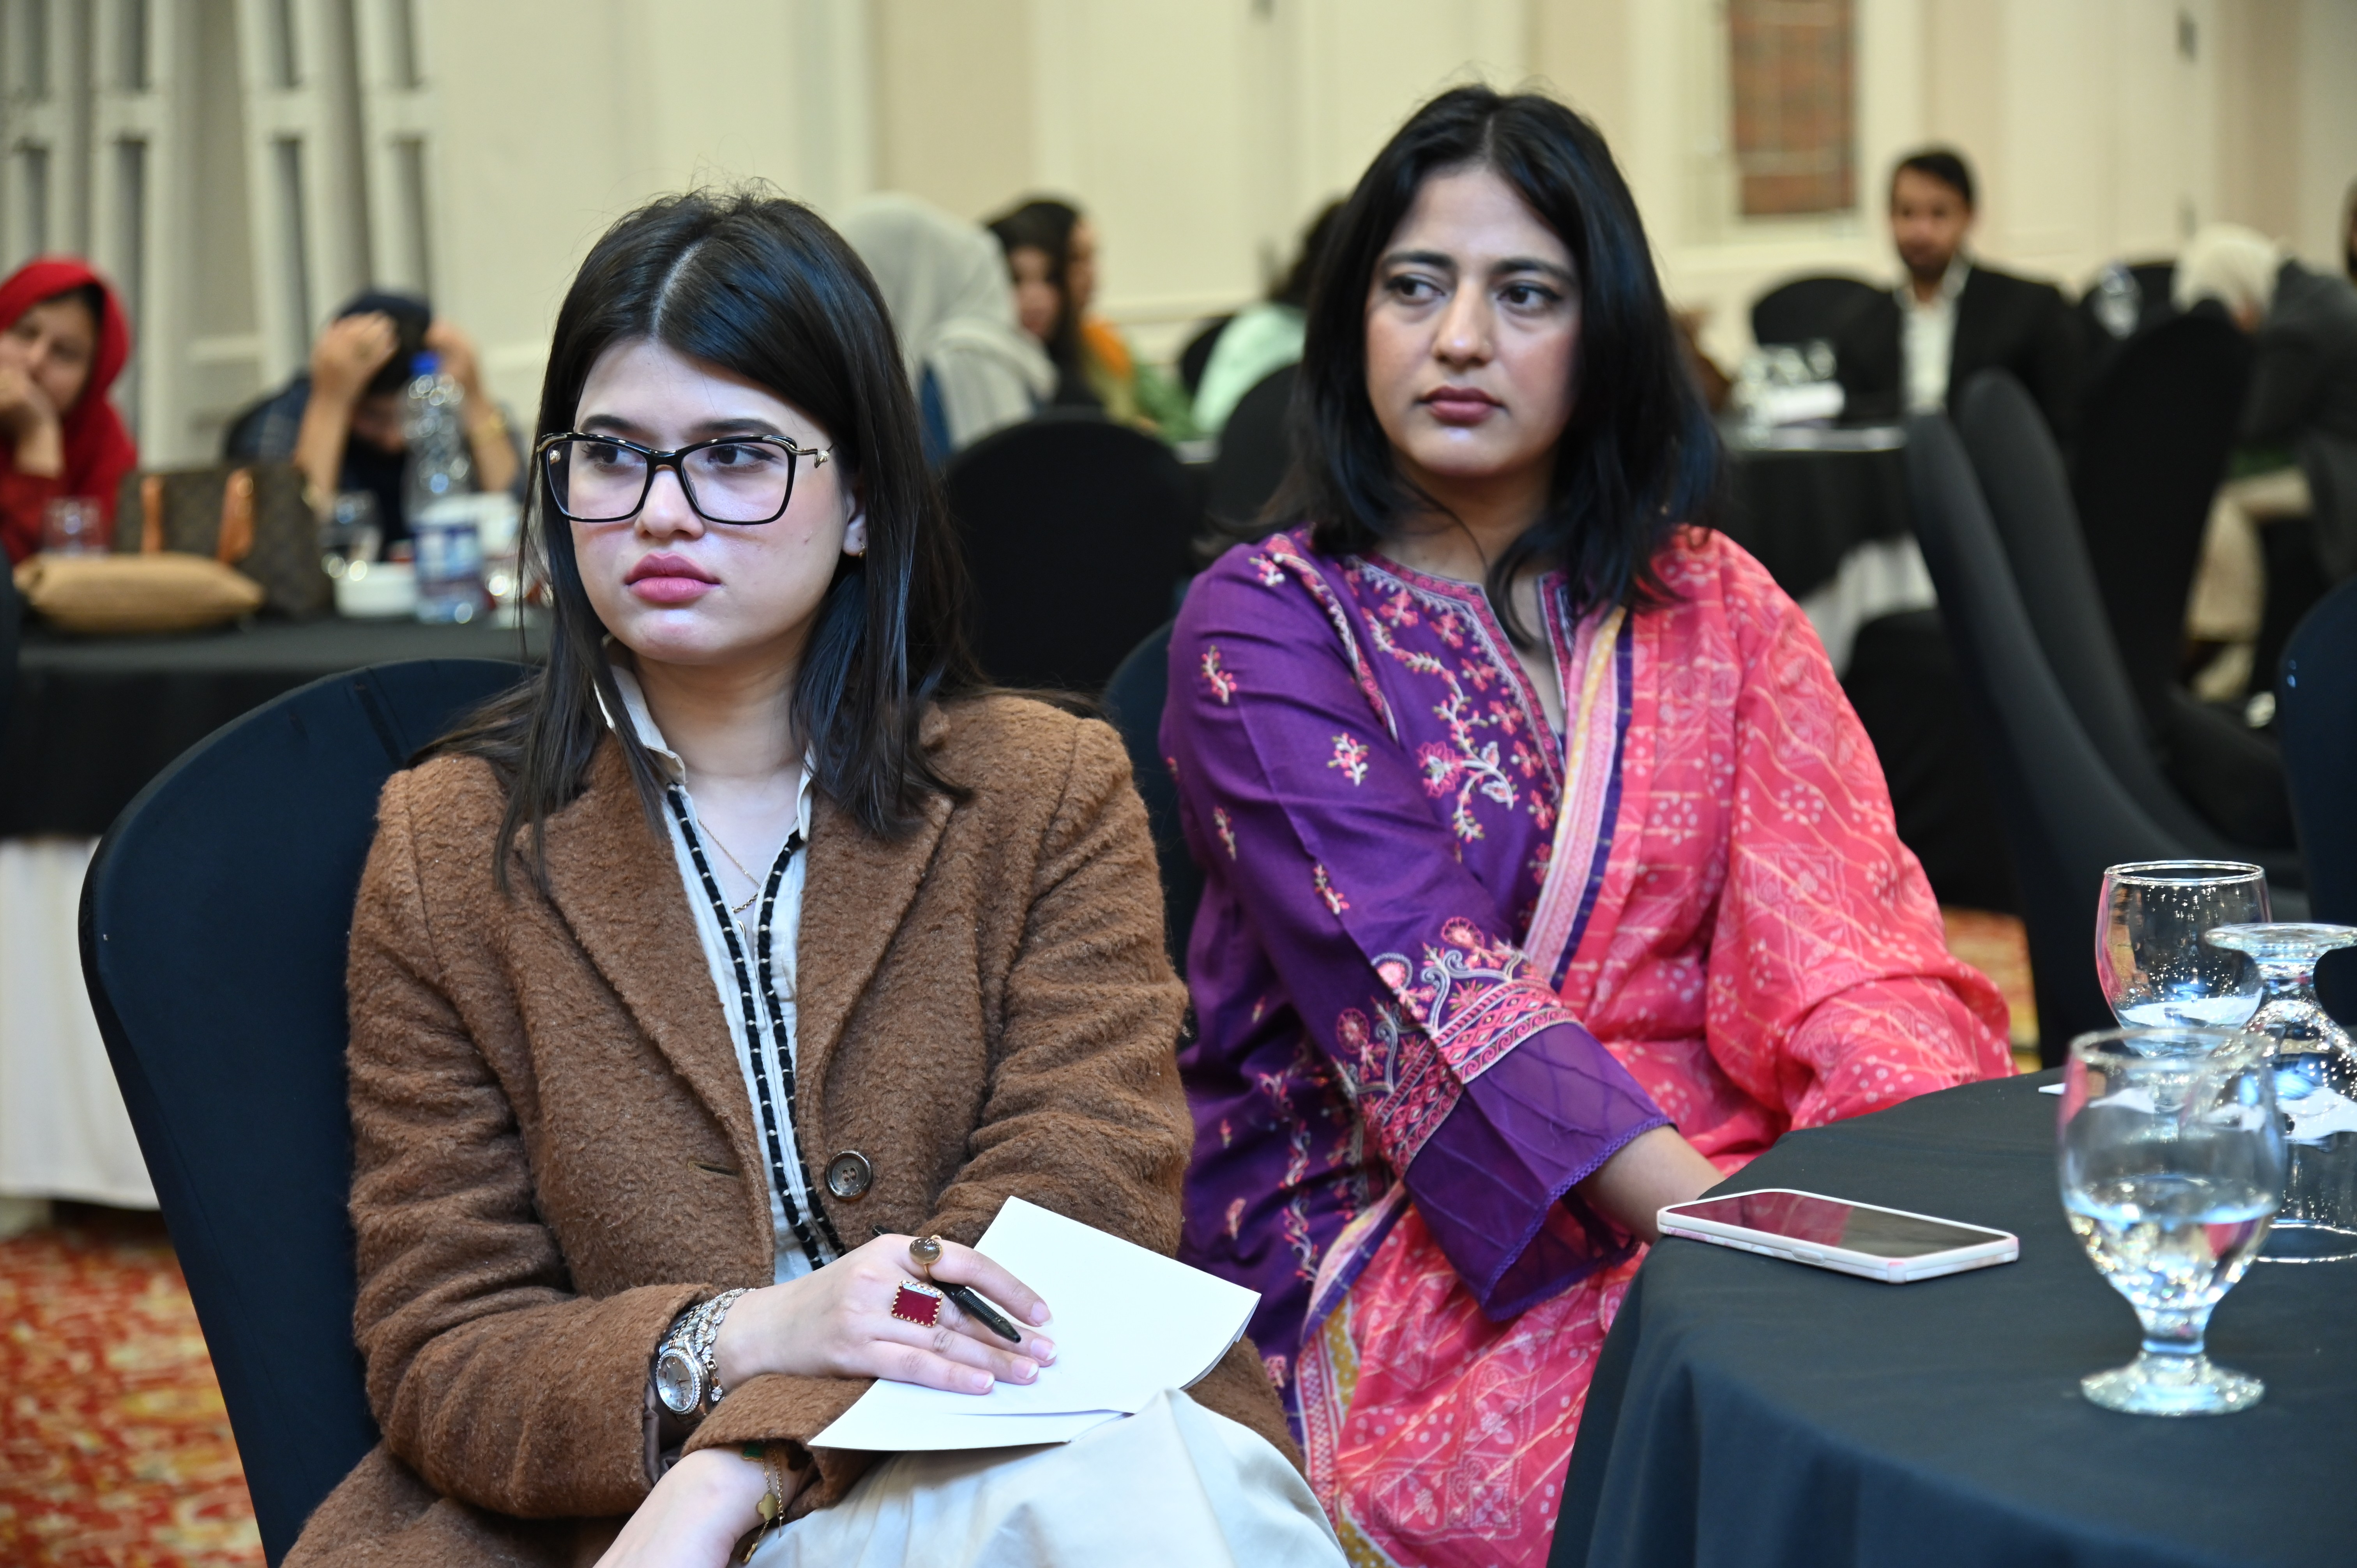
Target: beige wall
<point>1201,133</point>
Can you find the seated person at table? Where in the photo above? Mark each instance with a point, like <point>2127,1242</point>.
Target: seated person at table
<point>63,339</point>
<point>976,370</point>
<point>1261,338</point>
<point>1951,316</point>
<point>342,423</point>
<point>1548,873</point>
<point>2298,464</point>
<point>745,942</point>
<point>1051,255</point>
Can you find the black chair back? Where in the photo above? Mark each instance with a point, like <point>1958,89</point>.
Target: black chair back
<point>1196,357</point>
<point>1255,447</point>
<point>1133,700</point>
<point>213,929</point>
<point>2065,815</point>
<point>2316,714</point>
<point>1806,308</point>
<point>1076,534</point>
<point>2020,474</point>
<point>2153,433</point>
<point>2152,283</point>
<point>2316,717</point>
<point>12,634</point>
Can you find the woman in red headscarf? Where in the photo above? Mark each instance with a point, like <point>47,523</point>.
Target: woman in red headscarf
<point>63,339</point>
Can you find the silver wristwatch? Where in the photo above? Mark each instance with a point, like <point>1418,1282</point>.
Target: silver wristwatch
<point>686,1379</point>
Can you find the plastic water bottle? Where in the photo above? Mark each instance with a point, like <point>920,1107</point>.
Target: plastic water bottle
<point>437,487</point>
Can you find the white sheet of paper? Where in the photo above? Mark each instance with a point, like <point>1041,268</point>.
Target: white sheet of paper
<point>881,1430</point>
<point>1128,1324</point>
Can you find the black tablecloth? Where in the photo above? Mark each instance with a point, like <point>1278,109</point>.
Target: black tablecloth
<point>1752,1413</point>
<point>1800,511</point>
<point>94,718</point>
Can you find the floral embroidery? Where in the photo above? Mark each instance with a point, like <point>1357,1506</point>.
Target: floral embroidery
<point>1235,1215</point>
<point>1275,1365</point>
<point>1282,548</point>
<point>1328,891</point>
<point>1350,757</point>
<point>1272,575</point>
<point>1222,684</point>
<point>1225,827</point>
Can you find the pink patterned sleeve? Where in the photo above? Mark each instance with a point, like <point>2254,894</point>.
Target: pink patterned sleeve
<point>1831,989</point>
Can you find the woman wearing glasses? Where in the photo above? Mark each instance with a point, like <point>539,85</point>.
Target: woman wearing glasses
<point>1548,873</point>
<point>711,993</point>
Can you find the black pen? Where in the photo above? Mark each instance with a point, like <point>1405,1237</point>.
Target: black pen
<point>972,1301</point>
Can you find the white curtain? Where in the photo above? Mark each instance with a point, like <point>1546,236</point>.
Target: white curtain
<point>63,1130</point>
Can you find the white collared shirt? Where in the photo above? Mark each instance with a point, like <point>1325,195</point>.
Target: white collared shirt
<point>1926,340</point>
<point>791,1262</point>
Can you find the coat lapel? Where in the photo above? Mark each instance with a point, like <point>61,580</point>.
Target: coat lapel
<point>855,894</point>
<point>617,886</point>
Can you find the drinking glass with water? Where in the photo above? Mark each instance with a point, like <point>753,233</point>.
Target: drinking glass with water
<point>2150,959</point>
<point>2172,1165</point>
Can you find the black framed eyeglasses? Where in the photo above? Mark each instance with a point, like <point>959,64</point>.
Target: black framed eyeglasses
<point>729,478</point>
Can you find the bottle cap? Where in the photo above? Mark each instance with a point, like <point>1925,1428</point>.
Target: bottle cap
<point>425,363</point>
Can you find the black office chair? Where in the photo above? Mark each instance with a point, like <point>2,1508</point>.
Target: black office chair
<point>2065,813</point>
<point>2212,761</point>
<point>1196,357</point>
<point>1806,308</point>
<point>2316,717</point>
<point>12,634</point>
<point>1256,448</point>
<point>1077,532</point>
<point>213,929</point>
<point>2155,430</point>
<point>1133,700</point>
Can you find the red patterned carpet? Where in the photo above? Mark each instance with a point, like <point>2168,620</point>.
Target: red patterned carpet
<point>114,1450</point>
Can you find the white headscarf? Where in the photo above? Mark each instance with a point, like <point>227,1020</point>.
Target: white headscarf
<point>946,284</point>
<point>2232,264</point>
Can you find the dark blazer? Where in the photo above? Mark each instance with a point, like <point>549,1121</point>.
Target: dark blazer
<point>555,1152</point>
<point>2002,322</point>
<point>2304,395</point>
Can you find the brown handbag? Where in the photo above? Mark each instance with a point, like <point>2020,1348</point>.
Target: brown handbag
<point>252,517</point>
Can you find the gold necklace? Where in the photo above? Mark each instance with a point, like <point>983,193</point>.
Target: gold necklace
<point>737,909</point>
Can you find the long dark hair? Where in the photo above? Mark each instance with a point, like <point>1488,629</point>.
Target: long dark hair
<point>761,287</point>
<point>1046,224</point>
<point>1638,458</point>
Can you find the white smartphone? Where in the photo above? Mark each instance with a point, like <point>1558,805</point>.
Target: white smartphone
<point>1885,1244</point>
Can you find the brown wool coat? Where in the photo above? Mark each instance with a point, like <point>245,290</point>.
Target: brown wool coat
<point>556,1153</point>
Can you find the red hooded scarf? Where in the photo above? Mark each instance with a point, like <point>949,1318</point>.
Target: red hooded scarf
<point>98,450</point>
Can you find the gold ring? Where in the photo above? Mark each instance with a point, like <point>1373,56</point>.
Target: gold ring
<point>925,1251</point>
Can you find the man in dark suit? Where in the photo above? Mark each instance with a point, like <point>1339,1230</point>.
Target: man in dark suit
<point>1903,352</point>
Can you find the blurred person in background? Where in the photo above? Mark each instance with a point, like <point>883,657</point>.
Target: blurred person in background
<point>1051,255</point>
<point>1952,317</point>
<point>2349,232</point>
<point>341,423</point>
<point>1501,947</point>
<point>2299,456</point>
<point>63,339</point>
<point>1262,337</point>
<point>944,281</point>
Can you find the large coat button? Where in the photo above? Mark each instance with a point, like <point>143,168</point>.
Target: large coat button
<point>849,1174</point>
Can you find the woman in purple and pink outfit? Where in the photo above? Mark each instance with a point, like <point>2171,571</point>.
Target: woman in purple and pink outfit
<point>1549,875</point>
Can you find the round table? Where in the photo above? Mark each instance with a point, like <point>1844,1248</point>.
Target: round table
<point>93,718</point>
<point>1805,503</point>
<point>1748,1411</point>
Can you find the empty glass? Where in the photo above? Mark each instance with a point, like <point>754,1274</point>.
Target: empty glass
<point>2316,1089</point>
<point>2173,1160</point>
<point>2149,957</point>
<point>351,535</point>
<point>70,526</point>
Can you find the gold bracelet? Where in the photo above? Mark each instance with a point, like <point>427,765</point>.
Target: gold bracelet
<point>773,1505</point>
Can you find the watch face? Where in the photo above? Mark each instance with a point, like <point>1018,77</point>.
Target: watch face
<point>679,1381</point>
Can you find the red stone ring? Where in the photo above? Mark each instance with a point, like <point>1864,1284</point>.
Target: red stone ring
<point>920,1305</point>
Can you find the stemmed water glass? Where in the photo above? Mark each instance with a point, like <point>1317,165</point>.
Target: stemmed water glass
<point>2150,959</point>
<point>2173,1160</point>
<point>2316,1088</point>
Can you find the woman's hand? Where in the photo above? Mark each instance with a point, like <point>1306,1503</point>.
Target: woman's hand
<point>29,419</point>
<point>699,1513</point>
<point>1652,1169</point>
<point>838,1323</point>
<point>348,354</point>
<point>456,351</point>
